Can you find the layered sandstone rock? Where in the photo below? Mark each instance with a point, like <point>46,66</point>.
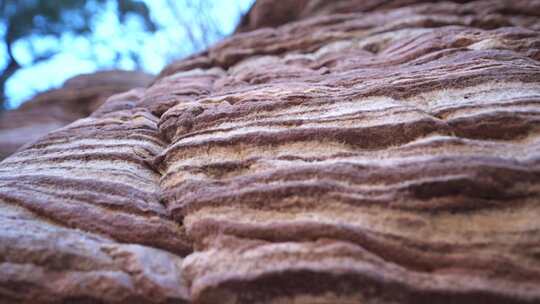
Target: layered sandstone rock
<point>77,98</point>
<point>388,155</point>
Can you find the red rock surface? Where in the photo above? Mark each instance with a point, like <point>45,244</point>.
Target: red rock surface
<point>390,154</point>
<point>77,98</point>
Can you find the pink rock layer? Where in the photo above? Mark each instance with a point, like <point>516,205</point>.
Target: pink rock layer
<point>369,152</point>
<point>77,98</point>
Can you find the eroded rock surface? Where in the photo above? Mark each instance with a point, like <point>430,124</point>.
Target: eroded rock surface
<point>77,98</point>
<point>387,155</point>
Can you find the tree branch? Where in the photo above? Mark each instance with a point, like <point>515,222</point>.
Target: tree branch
<point>43,57</point>
<point>10,69</point>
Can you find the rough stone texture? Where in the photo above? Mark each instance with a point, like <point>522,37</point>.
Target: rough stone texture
<point>77,98</point>
<point>389,155</point>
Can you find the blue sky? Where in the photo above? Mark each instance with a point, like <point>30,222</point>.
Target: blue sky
<point>80,55</point>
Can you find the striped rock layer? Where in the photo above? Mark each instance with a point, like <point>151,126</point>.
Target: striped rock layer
<point>369,152</point>
<point>77,98</point>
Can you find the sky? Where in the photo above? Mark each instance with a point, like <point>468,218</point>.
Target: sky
<point>80,55</point>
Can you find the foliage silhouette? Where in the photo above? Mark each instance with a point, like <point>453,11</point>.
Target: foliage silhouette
<point>24,19</point>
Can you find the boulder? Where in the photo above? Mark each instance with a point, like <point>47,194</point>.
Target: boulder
<point>366,152</point>
<point>77,98</point>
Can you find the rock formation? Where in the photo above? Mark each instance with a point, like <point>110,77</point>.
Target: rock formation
<point>368,152</point>
<point>77,98</point>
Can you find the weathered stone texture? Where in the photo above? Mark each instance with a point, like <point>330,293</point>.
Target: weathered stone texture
<point>77,98</point>
<point>386,155</point>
